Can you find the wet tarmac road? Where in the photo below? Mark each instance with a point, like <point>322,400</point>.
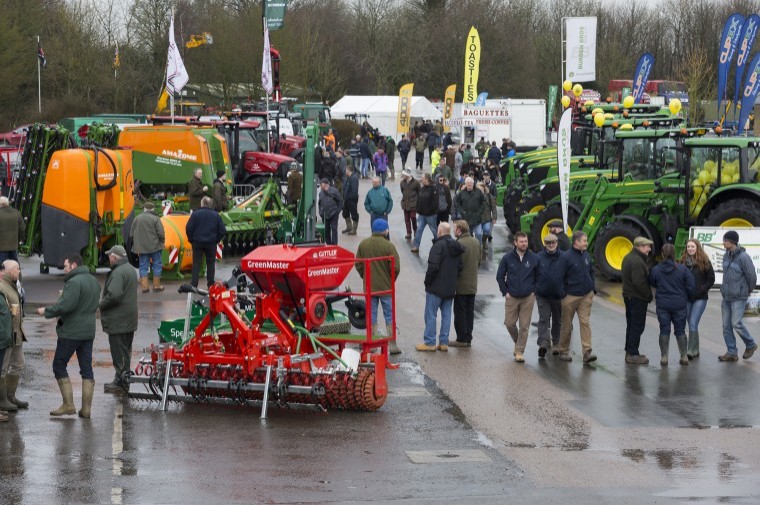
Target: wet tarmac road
<point>542,431</point>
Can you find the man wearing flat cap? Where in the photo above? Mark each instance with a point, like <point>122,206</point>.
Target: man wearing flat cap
<point>637,293</point>
<point>118,314</point>
<point>739,280</point>
<point>557,228</point>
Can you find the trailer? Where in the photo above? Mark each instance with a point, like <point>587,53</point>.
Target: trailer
<point>521,120</point>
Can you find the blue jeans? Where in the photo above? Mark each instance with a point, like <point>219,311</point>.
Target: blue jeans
<point>146,260</point>
<point>423,221</point>
<point>675,317</point>
<point>732,313</point>
<point>694,311</point>
<point>364,166</point>
<point>373,217</point>
<point>486,228</point>
<point>477,232</point>
<point>65,349</point>
<point>432,304</point>
<point>385,301</point>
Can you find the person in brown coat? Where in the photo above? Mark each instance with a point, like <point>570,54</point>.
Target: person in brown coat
<point>196,190</point>
<point>410,191</point>
<point>12,228</point>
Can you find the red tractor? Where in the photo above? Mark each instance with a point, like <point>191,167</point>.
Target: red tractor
<point>288,352</point>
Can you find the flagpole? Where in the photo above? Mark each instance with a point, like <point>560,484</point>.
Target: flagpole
<point>39,80</point>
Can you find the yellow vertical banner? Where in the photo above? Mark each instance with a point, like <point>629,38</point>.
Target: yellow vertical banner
<point>448,106</point>
<point>471,66</point>
<point>404,107</point>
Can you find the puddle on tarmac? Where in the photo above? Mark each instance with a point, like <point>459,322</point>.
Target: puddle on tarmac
<point>699,474</point>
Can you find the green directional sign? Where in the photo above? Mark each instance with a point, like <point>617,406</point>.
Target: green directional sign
<point>274,13</point>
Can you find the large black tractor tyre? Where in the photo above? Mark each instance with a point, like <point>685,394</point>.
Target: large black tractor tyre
<point>612,245</point>
<point>509,205</point>
<point>738,213</point>
<point>530,203</point>
<point>540,227</point>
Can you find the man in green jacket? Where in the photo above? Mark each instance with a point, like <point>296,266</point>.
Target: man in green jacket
<point>467,285</point>
<point>378,202</point>
<point>75,310</point>
<point>637,293</point>
<point>118,314</point>
<point>378,246</point>
<point>196,190</point>
<point>12,228</point>
<point>148,237</point>
<point>13,364</point>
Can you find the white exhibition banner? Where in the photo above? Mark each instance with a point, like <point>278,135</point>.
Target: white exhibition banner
<point>564,153</point>
<point>580,49</point>
<point>711,238</point>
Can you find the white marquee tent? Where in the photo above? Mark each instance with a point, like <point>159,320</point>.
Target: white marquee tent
<point>382,111</point>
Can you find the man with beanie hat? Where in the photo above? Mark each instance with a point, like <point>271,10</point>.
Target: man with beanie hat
<point>118,314</point>
<point>220,192</point>
<point>558,229</point>
<point>147,236</point>
<point>739,280</point>
<point>330,205</point>
<point>378,246</point>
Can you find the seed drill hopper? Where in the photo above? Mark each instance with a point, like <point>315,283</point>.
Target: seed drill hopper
<point>279,356</point>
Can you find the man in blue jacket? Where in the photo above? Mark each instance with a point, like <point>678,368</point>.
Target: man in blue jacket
<point>548,299</point>
<point>517,282</point>
<point>576,270</point>
<point>205,229</point>
<point>739,280</point>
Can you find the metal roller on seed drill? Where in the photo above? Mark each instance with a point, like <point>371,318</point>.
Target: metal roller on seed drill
<point>282,355</point>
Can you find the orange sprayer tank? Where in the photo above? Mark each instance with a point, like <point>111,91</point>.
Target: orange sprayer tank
<point>87,194</point>
<point>176,244</point>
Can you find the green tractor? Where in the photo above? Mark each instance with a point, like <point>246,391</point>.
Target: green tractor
<point>539,183</point>
<point>634,152</point>
<point>709,181</point>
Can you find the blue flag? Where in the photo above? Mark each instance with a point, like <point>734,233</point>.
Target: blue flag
<point>641,76</point>
<point>481,100</point>
<point>749,93</point>
<point>747,40</point>
<point>728,42</point>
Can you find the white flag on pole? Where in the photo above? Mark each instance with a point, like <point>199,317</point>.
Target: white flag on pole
<point>580,49</point>
<point>176,74</point>
<point>564,152</point>
<point>266,64</point>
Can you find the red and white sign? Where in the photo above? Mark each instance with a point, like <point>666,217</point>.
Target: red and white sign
<point>218,251</point>
<point>174,255</point>
<point>167,208</point>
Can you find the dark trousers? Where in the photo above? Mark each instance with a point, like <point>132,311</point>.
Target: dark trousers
<point>464,317</point>
<point>549,316</point>
<point>350,210</point>
<point>8,255</point>
<point>443,217</point>
<point>199,252</point>
<point>121,354</point>
<point>65,349</point>
<point>410,220</point>
<point>430,153</point>
<point>331,230</point>
<point>635,323</point>
<point>404,156</point>
<point>419,158</point>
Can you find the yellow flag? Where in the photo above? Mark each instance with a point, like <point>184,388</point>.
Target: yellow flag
<point>448,105</point>
<point>471,66</point>
<point>404,107</point>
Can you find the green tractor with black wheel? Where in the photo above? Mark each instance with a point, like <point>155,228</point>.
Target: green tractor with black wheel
<point>634,153</point>
<point>715,184</point>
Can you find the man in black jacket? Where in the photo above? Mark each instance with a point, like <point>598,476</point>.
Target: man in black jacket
<point>330,205</point>
<point>351,201</point>
<point>444,265</point>
<point>427,210</point>
<point>205,229</point>
<point>636,294</point>
<point>403,148</point>
<point>576,270</point>
<point>517,282</point>
<point>548,291</point>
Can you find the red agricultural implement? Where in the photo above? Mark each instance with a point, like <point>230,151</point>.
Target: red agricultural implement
<point>290,353</point>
